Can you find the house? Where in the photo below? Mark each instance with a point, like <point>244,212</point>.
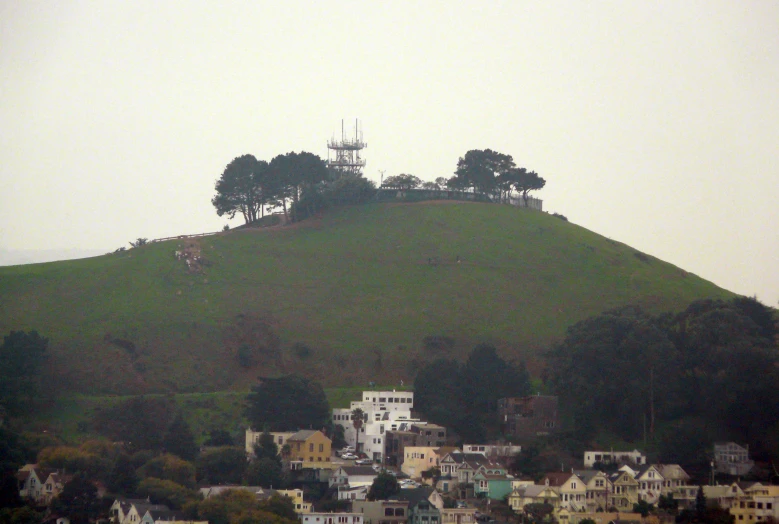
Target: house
<point>533,494</point>
<point>53,485</point>
<point>458,516</point>
<point>625,491</point>
<point>598,489</point>
<point>495,452</point>
<point>346,492</point>
<point>352,476</point>
<point>614,457</point>
<point>331,518</point>
<point>431,435</point>
<point>675,477</point>
<point>727,495</point>
<point>417,459</point>
<point>383,411</point>
<point>732,459</point>
<point>253,438</point>
<point>572,490</point>
<point>462,466</point>
<point>650,484</point>
<point>395,444</point>
<point>133,511</point>
<point>31,481</point>
<point>526,417</point>
<point>494,487</point>
<point>424,505</point>
<point>296,495</point>
<point>309,446</point>
<point>382,511</point>
<point>758,503</point>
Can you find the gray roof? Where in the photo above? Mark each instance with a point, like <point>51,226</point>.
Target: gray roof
<point>303,434</point>
<point>413,496</point>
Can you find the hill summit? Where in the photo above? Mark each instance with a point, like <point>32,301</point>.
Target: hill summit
<point>362,293</point>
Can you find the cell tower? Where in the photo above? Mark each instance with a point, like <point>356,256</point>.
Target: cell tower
<point>347,152</point>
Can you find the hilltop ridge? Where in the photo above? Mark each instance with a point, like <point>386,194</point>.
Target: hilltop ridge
<point>346,297</point>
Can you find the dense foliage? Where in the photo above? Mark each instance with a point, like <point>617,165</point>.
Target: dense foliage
<point>288,403</point>
<point>464,397</point>
<point>709,372</point>
<point>487,171</point>
<point>21,358</point>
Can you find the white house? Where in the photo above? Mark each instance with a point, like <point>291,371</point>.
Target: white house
<point>732,459</point>
<point>331,518</point>
<point>253,438</point>
<point>493,451</point>
<point>650,484</point>
<point>352,476</point>
<point>610,457</point>
<point>384,411</point>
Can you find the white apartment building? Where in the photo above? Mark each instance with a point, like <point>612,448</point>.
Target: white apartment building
<point>493,450</point>
<point>384,411</point>
<point>331,518</point>
<point>632,457</point>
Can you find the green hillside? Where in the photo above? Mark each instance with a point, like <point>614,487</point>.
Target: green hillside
<point>346,298</point>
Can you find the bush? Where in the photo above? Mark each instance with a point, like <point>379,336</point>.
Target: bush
<point>561,217</point>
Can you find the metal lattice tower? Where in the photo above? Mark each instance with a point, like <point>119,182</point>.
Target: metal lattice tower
<point>347,152</point>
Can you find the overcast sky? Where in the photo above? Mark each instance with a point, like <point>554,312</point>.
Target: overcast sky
<point>654,123</point>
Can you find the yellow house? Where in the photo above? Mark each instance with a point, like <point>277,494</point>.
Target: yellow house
<point>758,503</point>
<point>296,495</point>
<point>417,459</point>
<point>309,446</point>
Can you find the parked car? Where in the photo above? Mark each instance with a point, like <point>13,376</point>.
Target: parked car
<point>348,456</point>
<point>363,462</point>
<point>461,504</point>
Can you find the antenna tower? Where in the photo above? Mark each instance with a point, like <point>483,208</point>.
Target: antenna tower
<point>347,152</point>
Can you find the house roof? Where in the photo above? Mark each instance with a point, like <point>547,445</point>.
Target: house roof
<point>643,469</point>
<point>556,478</point>
<point>413,496</point>
<point>533,490</point>
<point>303,434</point>
<point>142,508</point>
<point>587,474</point>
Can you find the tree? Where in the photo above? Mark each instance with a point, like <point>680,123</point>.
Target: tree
<point>78,500</point>
<point>122,479</point>
<point>179,439</point>
<point>140,241</point>
<point>479,170</point>
<point>224,465</point>
<point>525,181</point>
<point>166,492</point>
<point>643,507</point>
<point>219,437</point>
<point>170,467</point>
<point>358,418</point>
<point>295,173</point>
<point>288,403</point>
<point>242,189</point>
<point>265,472</point>
<point>266,447</point>
<point>339,441</point>
<point>539,512</point>
<point>22,356</point>
<point>140,422</point>
<point>485,366</point>
<point>383,487</point>
<point>403,181</point>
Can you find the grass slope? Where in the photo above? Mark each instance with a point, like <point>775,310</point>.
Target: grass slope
<point>354,285</point>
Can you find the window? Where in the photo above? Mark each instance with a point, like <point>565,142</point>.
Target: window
<point>321,448</point>
<point>399,512</point>
<point>311,459</point>
<point>389,512</point>
<point>311,447</point>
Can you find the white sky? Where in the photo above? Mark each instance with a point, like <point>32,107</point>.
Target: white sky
<point>654,123</point>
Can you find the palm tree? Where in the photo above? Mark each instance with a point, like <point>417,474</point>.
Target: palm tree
<point>358,417</point>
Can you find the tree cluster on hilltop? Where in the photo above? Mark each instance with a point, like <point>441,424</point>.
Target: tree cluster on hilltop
<point>685,380</point>
<point>464,397</point>
<point>298,183</point>
<point>496,174</point>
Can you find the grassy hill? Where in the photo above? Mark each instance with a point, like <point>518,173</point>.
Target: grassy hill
<point>346,298</point>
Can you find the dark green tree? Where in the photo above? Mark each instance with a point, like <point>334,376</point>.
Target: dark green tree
<point>403,181</point>
<point>122,480</point>
<point>288,403</point>
<point>22,356</point>
<point>223,465</point>
<point>480,170</point>
<point>294,174</point>
<point>265,472</point>
<point>170,467</point>
<point>219,437</point>
<point>140,422</point>
<point>643,507</point>
<point>485,366</point>
<point>166,492</point>
<point>339,440</point>
<point>383,487</point>
<point>266,447</point>
<point>78,500</point>
<point>179,439</point>
<point>242,189</point>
